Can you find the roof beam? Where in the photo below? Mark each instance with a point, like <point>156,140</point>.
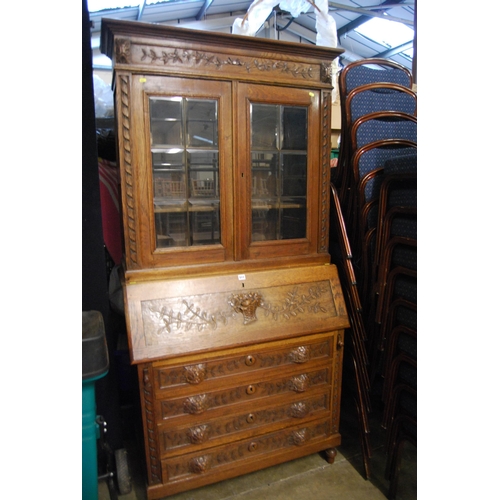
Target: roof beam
<point>204,9</point>
<point>365,17</point>
<point>395,50</point>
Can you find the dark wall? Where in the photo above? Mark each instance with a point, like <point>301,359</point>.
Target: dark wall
<point>94,279</point>
<point>94,274</point>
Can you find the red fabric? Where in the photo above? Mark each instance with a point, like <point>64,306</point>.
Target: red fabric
<point>109,183</point>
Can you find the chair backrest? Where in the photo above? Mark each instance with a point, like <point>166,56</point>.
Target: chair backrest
<point>357,74</point>
<point>373,70</point>
<point>383,125</point>
<point>374,155</point>
<point>379,97</point>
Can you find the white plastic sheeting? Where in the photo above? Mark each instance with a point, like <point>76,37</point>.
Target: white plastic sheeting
<point>326,27</point>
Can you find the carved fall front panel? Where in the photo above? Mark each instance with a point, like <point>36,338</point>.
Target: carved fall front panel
<point>222,312</point>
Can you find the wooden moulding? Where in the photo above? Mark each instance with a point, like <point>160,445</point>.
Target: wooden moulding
<point>174,317</point>
<point>160,49</point>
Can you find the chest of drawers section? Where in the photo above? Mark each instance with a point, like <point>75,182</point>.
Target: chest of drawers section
<point>231,411</point>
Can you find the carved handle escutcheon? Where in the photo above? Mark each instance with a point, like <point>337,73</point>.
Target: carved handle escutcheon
<point>199,465</point>
<point>195,373</point>
<point>299,410</point>
<point>299,383</point>
<point>197,435</point>
<point>300,437</point>
<point>301,354</point>
<point>196,404</point>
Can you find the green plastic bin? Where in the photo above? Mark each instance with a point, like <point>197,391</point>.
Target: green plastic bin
<point>95,365</point>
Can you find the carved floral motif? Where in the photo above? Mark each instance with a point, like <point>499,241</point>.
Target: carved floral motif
<point>246,304</point>
<point>195,373</point>
<point>191,317</point>
<point>196,404</point>
<point>300,437</point>
<point>296,303</point>
<point>166,317</point>
<point>199,465</point>
<point>197,435</point>
<point>299,410</point>
<point>300,383</point>
<point>301,354</point>
<point>198,57</point>
<point>122,51</point>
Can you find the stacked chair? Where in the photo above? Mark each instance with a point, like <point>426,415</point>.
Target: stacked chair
<point>374,244</point>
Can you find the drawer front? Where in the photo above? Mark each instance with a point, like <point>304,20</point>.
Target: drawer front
<point>219,459</point>
<point>208,402</point>
<point>171,379</point>
<point>175,439</point>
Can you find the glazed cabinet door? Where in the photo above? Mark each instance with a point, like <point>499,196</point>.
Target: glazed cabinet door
<point>182,139</point>
<point>278,171</point>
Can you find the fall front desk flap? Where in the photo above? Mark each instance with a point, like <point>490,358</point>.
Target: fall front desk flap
<point>187,316</point>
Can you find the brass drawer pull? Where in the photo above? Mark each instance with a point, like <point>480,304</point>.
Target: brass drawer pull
<point>252,446</point>
<point>251,418</point>
<point>251,389</point>
<point>250,360</point>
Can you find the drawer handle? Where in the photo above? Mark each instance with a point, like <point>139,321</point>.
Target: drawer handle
<point>300,383</point>
<point>252,446</point>
<point>195,374</point>
<point>199,465</point>
<point>300,437</point>
<point>250,360</point>
<point>301,354</point>
<point>197,435</point>
<point>251,389</point>
<point>196,404</point>
<point>299,410</point>
<point>251,418</point>
<point>340,342</point>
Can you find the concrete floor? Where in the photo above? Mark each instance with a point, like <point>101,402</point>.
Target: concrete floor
<point>308,478</point>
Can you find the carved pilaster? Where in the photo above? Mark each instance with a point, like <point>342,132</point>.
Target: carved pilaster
<point>337,381</point>
<point>151,446</point>
<point>325,172</point>
<point>125,154</point>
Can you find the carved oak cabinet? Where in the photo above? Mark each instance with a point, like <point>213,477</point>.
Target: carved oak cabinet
<point>235,315</point>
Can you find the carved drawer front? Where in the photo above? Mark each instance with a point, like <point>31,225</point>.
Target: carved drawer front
<point>217,459</point>
<point>192,375</point>
<point>206,402</point>
<point>175,439</point>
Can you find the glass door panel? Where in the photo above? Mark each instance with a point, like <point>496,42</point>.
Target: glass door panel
<point>185,158</point>
<point>279,171</point>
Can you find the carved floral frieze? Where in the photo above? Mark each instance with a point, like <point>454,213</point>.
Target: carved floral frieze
<point>208,313</point>
<point>201,58</point>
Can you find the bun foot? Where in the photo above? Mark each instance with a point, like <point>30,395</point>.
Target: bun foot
<point>330,455</point>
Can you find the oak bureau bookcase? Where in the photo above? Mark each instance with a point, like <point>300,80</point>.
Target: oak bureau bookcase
<point>235,316</point>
